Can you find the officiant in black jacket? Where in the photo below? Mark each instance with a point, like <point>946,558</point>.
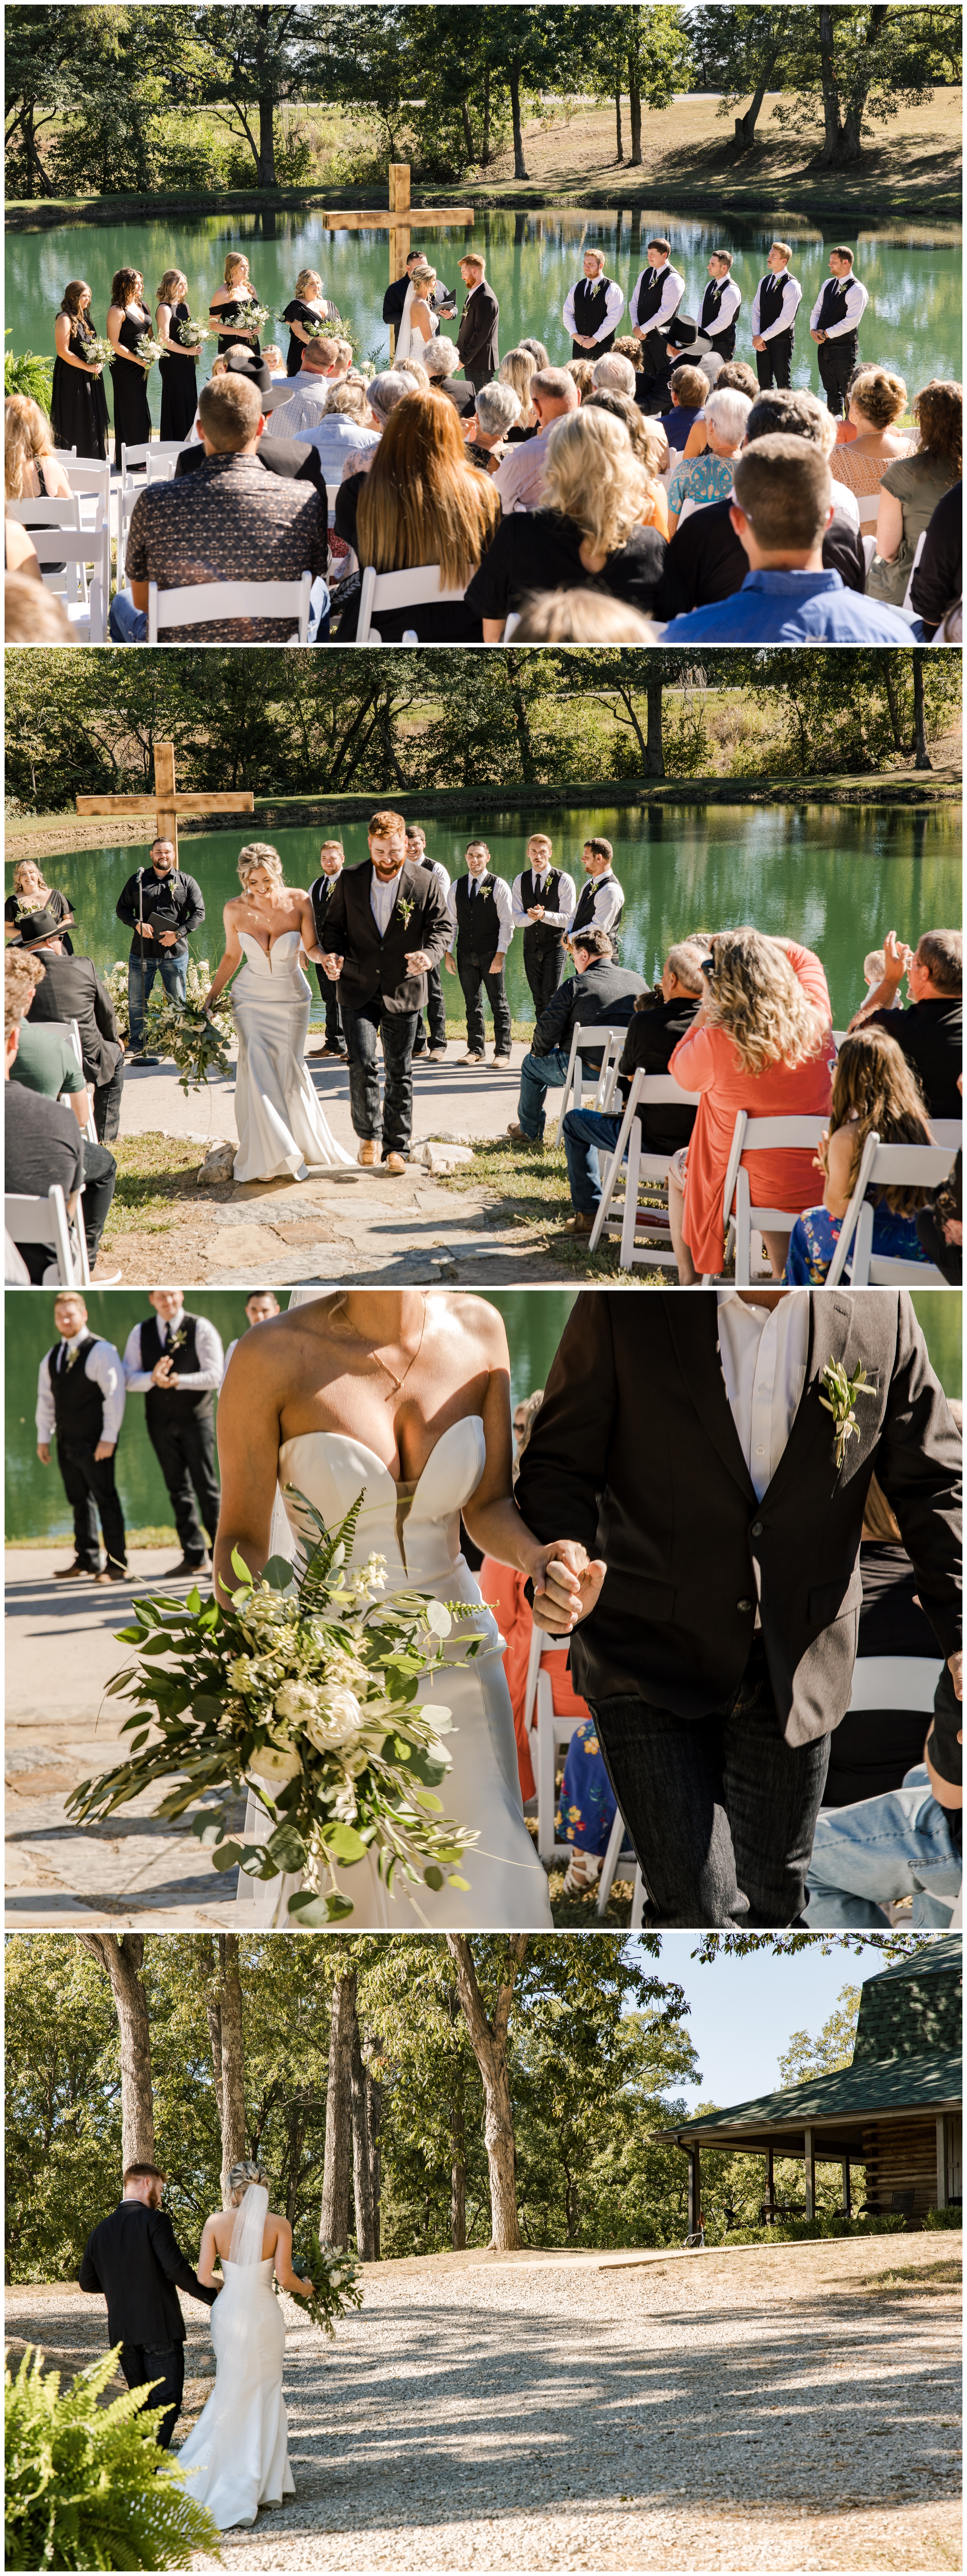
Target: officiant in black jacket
<point>477,335</point>
<point>687,1444</point>
<point>71,989</point>
<point>386,924</point>
<point>133,2260</point>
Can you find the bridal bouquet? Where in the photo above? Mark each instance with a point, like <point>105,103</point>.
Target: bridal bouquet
<point>97,352</point>
<point>304,1690</point>
<point>148,350</point>
<point>196,1041</point>
<point>192,335</point>
<point>249,317</point>
<point>336,2285</point>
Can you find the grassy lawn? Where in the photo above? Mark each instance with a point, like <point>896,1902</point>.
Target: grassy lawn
<point>151,1175</point>
<point>529,1183</point>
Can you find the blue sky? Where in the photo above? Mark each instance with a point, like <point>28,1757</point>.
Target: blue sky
<point>743,2011</point>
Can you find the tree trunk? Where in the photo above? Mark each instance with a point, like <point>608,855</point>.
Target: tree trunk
<point>458,2180</point>
<point>374,2094</point>
<point>900,742</point>
<point>467,130</point>
<point>520,171</point>
<point>522,726</point>
<point>362,2159</point>
<point>334,2214</point>
<point>223,2007</point>
<point>922,760</point>
<point>267,178</point>
<point>121,1955</point>
<point>655,753</point>
<point>745,125</point>
<point>619,150</point>
<point>485,153</point>
<point>826,158</point>
<point>489,2044</point>
<point>634,110</point>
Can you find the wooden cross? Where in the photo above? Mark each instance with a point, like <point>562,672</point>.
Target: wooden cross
<point>166,805</point>
<point>400,220</point>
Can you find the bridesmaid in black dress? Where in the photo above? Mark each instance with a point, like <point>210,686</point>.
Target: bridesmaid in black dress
<point>308,305</point>
<point>128,320</point>
<point>179,390</point>
<point>228,307</point>
<point>78,408</point>
<point>31,893</point>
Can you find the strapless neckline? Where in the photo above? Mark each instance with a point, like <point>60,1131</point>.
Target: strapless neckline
<point>254,942</point>
<point>405,1487</point>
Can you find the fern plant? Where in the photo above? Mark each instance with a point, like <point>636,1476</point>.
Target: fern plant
<point>28,374</point>
<point>86,2484</point>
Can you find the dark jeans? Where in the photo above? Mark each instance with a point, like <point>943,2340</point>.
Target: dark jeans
<point>721,1810</point>
<point>173,971</point>
<point>773,364</point>
<point>185,1451</point>
<point>473,977</point>
<point>141,2361</point>
<point>391,1119</point>
<point>837,359</point>
<point>436,1015</point>
<point>585,1131</point>
<point>543,969</point>
<point>334,1029</point>
<point>89,1486</point>
<point>107,1105</point>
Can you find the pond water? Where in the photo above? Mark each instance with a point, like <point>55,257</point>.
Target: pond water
<point>534,1317</point>
<point>913,321</point>
<point>836,877</point>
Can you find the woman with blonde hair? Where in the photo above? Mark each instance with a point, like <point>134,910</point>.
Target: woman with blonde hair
<point>418,322</point>
<point>761,1041</point>
<point>31,893</point>
<point>179,387</point>
<point>31,467</point>
<point>647,446</point>
<point>78,408</point>
<point>128,321</point>
<point>911,489</point>
<point>875,400</point>
<point>307,309</point>
<point>228,305</point>
<point>588,528</point>
<point>516,371</point>
<point>422,502</point>
<point>874,1089</point>
<point>237,2456</point>
<point>282,1133</point>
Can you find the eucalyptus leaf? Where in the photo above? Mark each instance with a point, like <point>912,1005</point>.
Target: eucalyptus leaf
<point>226,1856</point>
<point>345,1844</point>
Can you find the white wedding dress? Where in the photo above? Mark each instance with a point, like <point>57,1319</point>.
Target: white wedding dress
<point>417,1528</point>
<point>281,1128</point>
<point>410,343</point>
<point>237,2458</point>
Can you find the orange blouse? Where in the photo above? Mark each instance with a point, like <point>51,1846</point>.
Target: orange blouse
<point>705,1060</point>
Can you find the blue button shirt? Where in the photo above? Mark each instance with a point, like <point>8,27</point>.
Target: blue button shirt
<point>792,608</point>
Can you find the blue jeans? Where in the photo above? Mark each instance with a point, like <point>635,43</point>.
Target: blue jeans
<point>126,624</point>
<point>866,1855</point>
<point>539,1073</point>
<point>173,971</point>
<point>584,1130</point>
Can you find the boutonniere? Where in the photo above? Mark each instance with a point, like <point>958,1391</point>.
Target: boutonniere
<point>839,1399</point>
<point>178,1340</point>
<point>406,908</point>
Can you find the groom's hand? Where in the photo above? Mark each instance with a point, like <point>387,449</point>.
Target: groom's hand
<point>418,961</point>
<point>333,967</point>
<point>566,1585</point>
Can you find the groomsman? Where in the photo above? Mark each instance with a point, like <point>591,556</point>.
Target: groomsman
<point>175,1361</point>
<point>435,1006</point>
<point>80,1398</point>
<point>332,860</point>
<point>482,925</point>
<point>775,305</point>
<point>720,305</point>
<point>593,309</point>
<point>652,308</point>
<point>834,325</point>
<point>601,902</point>
<point>542,901</point>
<point>260,1308</point>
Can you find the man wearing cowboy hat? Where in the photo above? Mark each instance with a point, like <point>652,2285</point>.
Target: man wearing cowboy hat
<point>72,990</point>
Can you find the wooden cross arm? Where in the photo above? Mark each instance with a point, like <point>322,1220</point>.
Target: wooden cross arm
<point>384,219</point>
<point>243,803</point>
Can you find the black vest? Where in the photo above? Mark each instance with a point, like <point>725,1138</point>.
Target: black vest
<point>478,920</point>
<point>590,300</point>
<point>711,304</point>
<point>649,297</point>
<point>771,292</point>
<point>320,896</point>
<point>197,1400</point>
<point>833,306</point>
<point>541,935</point>
<point>78,1404</point>
<point>585,906</point>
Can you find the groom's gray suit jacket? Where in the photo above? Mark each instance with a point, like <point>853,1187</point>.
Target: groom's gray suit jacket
<point>134,2260</point>
<point>635,1452</point>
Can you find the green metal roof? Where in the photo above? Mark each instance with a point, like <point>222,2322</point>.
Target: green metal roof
<point>846,2100</point>
<point>913,2009</point>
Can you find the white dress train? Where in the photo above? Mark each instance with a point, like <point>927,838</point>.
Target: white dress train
<point>417,1528</point>
<point>281,1128</point>
<point>238,2455</point>
<point>409,343</point>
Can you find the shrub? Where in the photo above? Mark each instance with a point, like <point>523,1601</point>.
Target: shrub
<point>804,2231</point>
<point>944,2217</point>
<point>29,374</point>
<point>87,2485</point>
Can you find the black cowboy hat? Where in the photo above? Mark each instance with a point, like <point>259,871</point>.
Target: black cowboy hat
<point>240,362</point>
<point>35,928</point>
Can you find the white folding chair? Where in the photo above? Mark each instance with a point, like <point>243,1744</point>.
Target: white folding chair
<point>895,1681</point>
<point>205,600</point>
<point>387,590</point>
<point>617,1856</point>
<point>645,1236</point>
<point>60,510</point>
<point>922,1167</point>
<point>918,550</point>
<point>133,479</point>
<point>38,1220</point>
<point>69,1029</point>
<point>586,1039</point>
<point>90,478</point>
<point>161,462</point>
<point>86,609</point>
<point>761,1136</point>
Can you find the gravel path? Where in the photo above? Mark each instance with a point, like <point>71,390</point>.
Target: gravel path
<point>793,2407</point>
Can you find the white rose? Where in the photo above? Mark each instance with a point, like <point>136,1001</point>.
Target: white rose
<point>274,1763</point>
<point>298,1701</point>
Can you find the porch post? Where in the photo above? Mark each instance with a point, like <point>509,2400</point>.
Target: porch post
<point>847,2206</point>
<point>941,2163</point>
<point>809,2170</point>
<point>694,2189</point>
<point>770,2184</point>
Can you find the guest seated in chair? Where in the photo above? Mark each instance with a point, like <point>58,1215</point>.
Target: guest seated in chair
<point>598,994</point>
<point>229,521</point>
<point>930,1031</point>
<point>873,1088</point>
<point>660,1018</point>
<point>908,1843</point>
<point>44,1145</point>
<point>422,502</point>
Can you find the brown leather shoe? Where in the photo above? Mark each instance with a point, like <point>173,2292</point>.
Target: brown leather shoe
<point>75,1573</point>
<point>503,1061</point>
<point>367,1153</point>
<point>518,1137</point>
<point>113,1574</point>
<point>579,1224</point>
<point>393,1163</point>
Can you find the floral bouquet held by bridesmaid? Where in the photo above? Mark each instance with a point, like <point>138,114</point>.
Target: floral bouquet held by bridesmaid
<point>304,1690</point>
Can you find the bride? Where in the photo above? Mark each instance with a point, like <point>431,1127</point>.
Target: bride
<point>405,1394</point>
<point>418,322</point>
<point>281,1128</point>
<point>237,2458</point>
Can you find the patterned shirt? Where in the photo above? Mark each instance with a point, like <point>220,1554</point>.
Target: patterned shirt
<point>699,479</point>
<point>230,521</point>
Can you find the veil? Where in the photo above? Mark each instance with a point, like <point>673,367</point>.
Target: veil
<point>249,2227</point>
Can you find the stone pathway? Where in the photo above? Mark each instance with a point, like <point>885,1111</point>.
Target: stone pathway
<point>787,2407</point>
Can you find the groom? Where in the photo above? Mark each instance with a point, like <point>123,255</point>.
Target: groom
<point>386,925</point>
<point>133,2260</point>
<point>686,1441</point>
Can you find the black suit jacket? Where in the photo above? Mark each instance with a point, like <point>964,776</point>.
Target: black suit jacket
<point>604,994</point>
<point>285,456</point>
<point>635,1452</point>
<point>477,335</point>
<point>72,990</point>
<point>132,2258</point>
<point>705,560</point>
<point>378,965</point>
<point>394,299</point>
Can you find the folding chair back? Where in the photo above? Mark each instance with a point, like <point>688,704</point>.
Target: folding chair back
<point>44,1220</point>
<point>651,1090</point>
<point>761,1136</point>
<point>922,1167</point>
<point>418,588</point>
<point>84,608</point>
<point>201,601</point>
<point>608,1043</point>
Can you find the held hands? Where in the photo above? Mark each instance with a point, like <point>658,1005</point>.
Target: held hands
<point>566,1585</point>
<point>418,961</point>
<point>535,912</point>
<point>332,966</point>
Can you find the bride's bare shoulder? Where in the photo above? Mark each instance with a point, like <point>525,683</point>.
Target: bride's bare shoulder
<point>268,1354</point>
<point>482,1323</point>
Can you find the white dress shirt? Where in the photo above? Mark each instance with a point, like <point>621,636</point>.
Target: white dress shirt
<point>519,479</point>
<point>381,900</point>
<point>437,869</point>
<point>857,300</point>
<point>614,305</point>
<point>566,895</point>
<point>207,1344</point>
<point>791,301</point>
<point>104,1369</point>
<point>731,300</point>
<point>302,407</point>
<point>608,903</point>
<point>763,1359</point>
<point>501,896</point>
<point>673,289</point>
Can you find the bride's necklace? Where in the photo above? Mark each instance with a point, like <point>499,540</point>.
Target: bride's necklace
<point>395,1382</point>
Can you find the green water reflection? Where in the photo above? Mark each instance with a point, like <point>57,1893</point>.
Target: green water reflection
<point>535,1320</point>
<point>834,876</point>
<point>913,321</point>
